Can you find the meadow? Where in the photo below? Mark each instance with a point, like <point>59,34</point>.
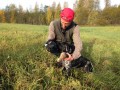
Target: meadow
<point>26,65</point>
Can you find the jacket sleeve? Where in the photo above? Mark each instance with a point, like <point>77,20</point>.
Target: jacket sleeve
<point>77,43</point>
<point>51,34</point>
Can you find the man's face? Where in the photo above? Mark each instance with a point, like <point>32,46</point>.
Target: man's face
<point>64,24</point>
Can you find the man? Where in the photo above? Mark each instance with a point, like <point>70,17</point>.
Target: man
<point>64,40</point>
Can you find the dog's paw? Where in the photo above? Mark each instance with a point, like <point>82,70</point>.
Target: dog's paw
<point>66,72</point>
<point>88,67</point>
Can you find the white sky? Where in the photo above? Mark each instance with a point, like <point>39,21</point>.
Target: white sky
<point>26,4</point>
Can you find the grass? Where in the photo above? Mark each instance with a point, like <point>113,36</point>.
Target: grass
<point>26,65</point>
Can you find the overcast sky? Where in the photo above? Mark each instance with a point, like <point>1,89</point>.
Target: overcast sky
<point>26,4</point>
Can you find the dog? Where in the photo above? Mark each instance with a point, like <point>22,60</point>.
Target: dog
<point>54,48</point>
<point>78,63</point>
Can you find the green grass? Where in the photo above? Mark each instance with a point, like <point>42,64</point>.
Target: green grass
<point>26,65</point>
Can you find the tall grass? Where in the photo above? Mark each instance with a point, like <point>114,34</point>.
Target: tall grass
<point>26,65</point>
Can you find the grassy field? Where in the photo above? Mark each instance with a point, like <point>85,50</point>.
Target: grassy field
<point>26,65</point>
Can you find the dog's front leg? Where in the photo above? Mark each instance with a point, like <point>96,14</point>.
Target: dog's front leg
<point>67,68</point>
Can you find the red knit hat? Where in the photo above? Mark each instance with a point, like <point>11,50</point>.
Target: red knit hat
<point>67,14</point>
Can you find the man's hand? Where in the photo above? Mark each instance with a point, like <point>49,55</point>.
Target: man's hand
<point>69,58</point>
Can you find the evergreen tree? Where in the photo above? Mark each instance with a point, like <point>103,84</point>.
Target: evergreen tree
<point>57,12</point>
<point>42,15</point>
<point>36,16</point>
<point>107,3</point>
<point>20,15</point>
<point>7,14</point>
<point>65,5</point>
<point>13,13</point>
<point>49,15</point>
<point>53,8</point>
<point>27,17</point>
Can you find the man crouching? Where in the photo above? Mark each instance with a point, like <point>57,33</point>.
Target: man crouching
<point>64,41</point>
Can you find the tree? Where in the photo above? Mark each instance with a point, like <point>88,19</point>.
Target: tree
<point>89,5</point>
<point>97,5</point>
<point>75,5</point>
<point>42,18</point>
<point>107,3</point>
<point>65,5</point>
<point>81,13</point>
<point>12,13</point>
<point>49,15</point>
<point>42,15</point>
<point>27,17</point>
<point>57,11</point>
<point>20,15</point>
<point>7,14</point>
<point>53,8</point>
<point>104,17</point>
<point>36,16</point>
<point>93,18</point>
<point>2,16</point>
<point>36,8</point>
<point>94,13</point>
<point>118,15</point>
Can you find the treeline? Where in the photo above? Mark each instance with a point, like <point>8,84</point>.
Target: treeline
<point>87,12</point>
<point>38,15</point>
